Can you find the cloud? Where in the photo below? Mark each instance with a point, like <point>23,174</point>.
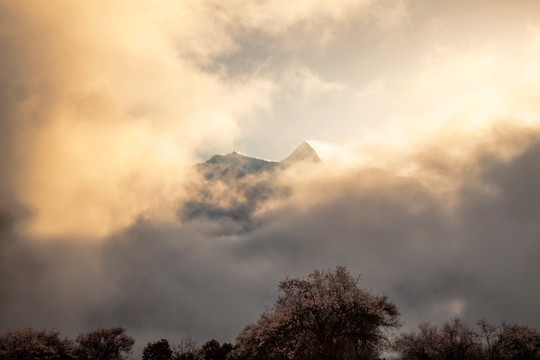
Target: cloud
<point>162,279</point>
<point>103,101</point>
<point>309,83</point>
<point>431,195</point>
<point>101,110</point>
<point>389,15</point>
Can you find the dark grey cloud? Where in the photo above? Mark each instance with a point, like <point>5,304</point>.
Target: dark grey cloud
<point>215,271</point>
<point>171,280</point>
<point>501,233</point>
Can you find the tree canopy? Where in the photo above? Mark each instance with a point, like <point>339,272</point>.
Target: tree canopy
<point>324,316</point>
<point>104,344</point>
<point>159,350</point>
<point>34,344</point>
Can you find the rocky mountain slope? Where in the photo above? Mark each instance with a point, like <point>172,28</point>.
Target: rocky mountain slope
<point>231,187</point>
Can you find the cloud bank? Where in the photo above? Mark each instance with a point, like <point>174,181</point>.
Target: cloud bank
<point>428,186</point>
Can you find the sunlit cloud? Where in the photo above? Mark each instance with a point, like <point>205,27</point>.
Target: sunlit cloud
<point>113,114</point>
<point>117,99</point>
<point>424,115</point>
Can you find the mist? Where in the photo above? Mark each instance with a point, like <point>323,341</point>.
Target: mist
<point>424,117</point>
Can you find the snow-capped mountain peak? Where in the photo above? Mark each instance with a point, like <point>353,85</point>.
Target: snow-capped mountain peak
<point>303,153</point>
<point>236,165</point>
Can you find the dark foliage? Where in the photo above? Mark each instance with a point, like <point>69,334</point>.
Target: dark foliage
<point>159,350</point>
<point>212,350</point>
<point>104,344</point>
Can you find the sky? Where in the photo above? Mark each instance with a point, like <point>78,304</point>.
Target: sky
<point>424,113</point>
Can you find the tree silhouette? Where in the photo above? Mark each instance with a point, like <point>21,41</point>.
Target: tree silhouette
<point>517,342</point>
<point>104,344</point>
<point>326,316</point>
<point>452,341</point>
<point>159,350</point>
<point>187,349</point>
<point>33,344</point>
<point>457,341</point>
<point>212,350</point>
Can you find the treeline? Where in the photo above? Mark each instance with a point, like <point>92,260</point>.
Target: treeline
<point>187,349</point>
<point>102,344</point>
<point>454,340</point>
<point>325,316</point>
<point>457,340</point>
<point>30,344</point>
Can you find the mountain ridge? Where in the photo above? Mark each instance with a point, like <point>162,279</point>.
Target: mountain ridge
<point>302,154</point>
<point>239,165</point>
<point>233,186</point>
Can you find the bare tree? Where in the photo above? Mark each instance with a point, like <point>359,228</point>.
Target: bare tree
<point>457,341</point>
<point>488,334</point>
<point>516,341</point>
<point>421,346</point>
<point>187,349</point>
